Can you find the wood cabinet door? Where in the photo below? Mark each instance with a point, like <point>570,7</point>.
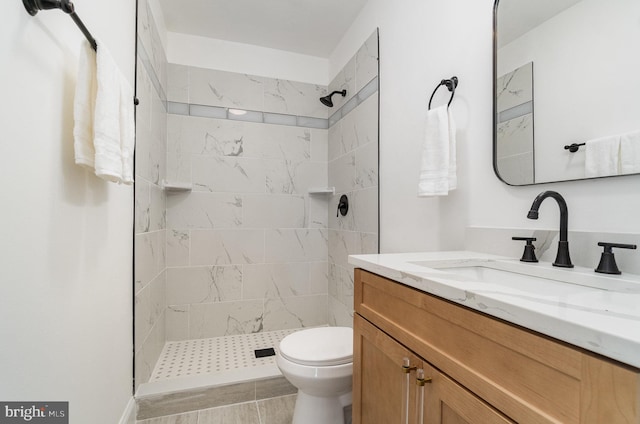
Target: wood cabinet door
<point>379,382</point>
<point>446,402</point>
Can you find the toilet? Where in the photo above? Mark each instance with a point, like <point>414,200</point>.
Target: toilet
<point>319,363</point>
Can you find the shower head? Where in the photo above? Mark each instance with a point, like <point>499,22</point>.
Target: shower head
<point>326,100</point>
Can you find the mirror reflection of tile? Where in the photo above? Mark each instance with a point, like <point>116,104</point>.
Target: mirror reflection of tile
<point>514,148</point>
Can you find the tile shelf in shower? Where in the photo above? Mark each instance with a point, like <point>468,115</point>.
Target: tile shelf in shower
<point>176,187</point>
<point>322,190</point>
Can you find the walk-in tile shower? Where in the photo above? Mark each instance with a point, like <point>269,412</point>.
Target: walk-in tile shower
<point>238,179</point>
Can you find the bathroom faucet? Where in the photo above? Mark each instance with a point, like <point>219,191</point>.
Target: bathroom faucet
<point>562,257</point>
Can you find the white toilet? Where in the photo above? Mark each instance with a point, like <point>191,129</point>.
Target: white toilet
<point>319,362</point>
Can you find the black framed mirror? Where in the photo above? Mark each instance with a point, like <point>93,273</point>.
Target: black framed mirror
<point>565,74</point>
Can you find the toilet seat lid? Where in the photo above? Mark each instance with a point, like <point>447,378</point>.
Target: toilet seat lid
<point>324,346</point>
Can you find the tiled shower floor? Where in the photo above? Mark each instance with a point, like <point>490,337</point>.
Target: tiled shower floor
<point>190,358</point>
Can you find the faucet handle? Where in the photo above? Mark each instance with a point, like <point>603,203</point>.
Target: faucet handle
<point>529,254</point>
<point>607,263</point>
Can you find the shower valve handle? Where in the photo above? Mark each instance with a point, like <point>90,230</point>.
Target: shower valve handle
<point>343,206</point>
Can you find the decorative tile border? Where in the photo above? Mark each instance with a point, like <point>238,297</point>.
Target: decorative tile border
<point>216,112</point>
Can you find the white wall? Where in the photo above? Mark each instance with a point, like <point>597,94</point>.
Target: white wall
<point>66,238</point>
<point>202,52</point>
<point>420,43</point>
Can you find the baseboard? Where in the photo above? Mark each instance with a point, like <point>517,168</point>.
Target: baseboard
<point>129,414</point>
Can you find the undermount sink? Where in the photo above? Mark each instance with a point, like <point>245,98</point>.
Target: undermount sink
<point>515,273</point>
<point>498,276</point>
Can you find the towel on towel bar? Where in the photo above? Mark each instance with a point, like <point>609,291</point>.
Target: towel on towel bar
<point>438,163</point>
<point>104,124</point>
<point>83,107</point>
<point>630,153</point>
<point>602,156</point>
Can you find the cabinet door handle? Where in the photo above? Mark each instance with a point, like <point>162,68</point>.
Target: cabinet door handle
<point>421,380</point>
<point>406,381</point>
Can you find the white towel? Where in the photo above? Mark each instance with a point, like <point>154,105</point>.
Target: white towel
<point>602,157</point>
<point>107,117</point>
<point>630,153</point>
<point>83,107</point>
<point>113,121</point>
<point>438,164</point>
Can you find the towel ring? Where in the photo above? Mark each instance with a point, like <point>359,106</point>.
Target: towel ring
<point>451,85</point>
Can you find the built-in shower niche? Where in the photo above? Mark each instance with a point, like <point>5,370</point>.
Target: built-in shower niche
<point>248,252</point>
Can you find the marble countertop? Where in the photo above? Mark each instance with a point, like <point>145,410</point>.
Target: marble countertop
<point>593,311</point>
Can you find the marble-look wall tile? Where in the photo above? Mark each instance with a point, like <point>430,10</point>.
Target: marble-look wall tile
<point>147,355</point>
<point>319,145</point>
<point>339,314</point>
<point>318,278</point>
<point>367,166</point>
<point>177,322</point>
<point>204,210</point>
<point>225,318</point>
<point>273,211</point>
<point>206,136</point>
<point>295,312</point>
<point>295,245</point>
<point>150,217</point>
<point>191,285</point>
<point>294,177</point>
<point>267,281</point>
<point>357,128</point>
<point>317,215</point>
<point>142,206</point>
<point>178,245</point>
<point>341,245</point>
<point>149,257</point>
<point>344,80</point>
<point>294,98</point>
<point>222,247</point>
<point>229,174</point>
<point>157,209</point>
<point>342,173</point>
<point>367,61</point>
<point>177,83</point>
<point>226,89</point>
<point>249,210</point>
<point>343,278</point>
<point>353,170</point>
<point>365,210</point>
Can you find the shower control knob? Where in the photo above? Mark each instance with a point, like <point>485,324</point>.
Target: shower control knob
<point>343,206</point>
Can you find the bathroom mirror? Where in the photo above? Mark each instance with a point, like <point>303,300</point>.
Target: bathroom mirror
<point>565,72</point>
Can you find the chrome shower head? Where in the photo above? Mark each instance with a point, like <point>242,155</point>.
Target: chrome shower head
<point>326,100</point>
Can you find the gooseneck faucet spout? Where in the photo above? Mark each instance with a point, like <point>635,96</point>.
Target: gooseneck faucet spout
<point>562,257</point>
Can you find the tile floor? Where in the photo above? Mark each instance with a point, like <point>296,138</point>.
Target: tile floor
<point>277,410</point>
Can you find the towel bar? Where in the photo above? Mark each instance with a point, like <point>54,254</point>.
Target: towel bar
<point>573,147</point>
<point>33,6</point>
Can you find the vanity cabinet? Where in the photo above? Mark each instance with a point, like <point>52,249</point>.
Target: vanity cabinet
<point>482,370</point>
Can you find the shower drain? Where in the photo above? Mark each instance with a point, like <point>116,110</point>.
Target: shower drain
<point>205,356</point>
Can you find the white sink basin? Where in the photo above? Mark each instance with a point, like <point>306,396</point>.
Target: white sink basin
<point>498,276</point>
<point>532,275</point>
